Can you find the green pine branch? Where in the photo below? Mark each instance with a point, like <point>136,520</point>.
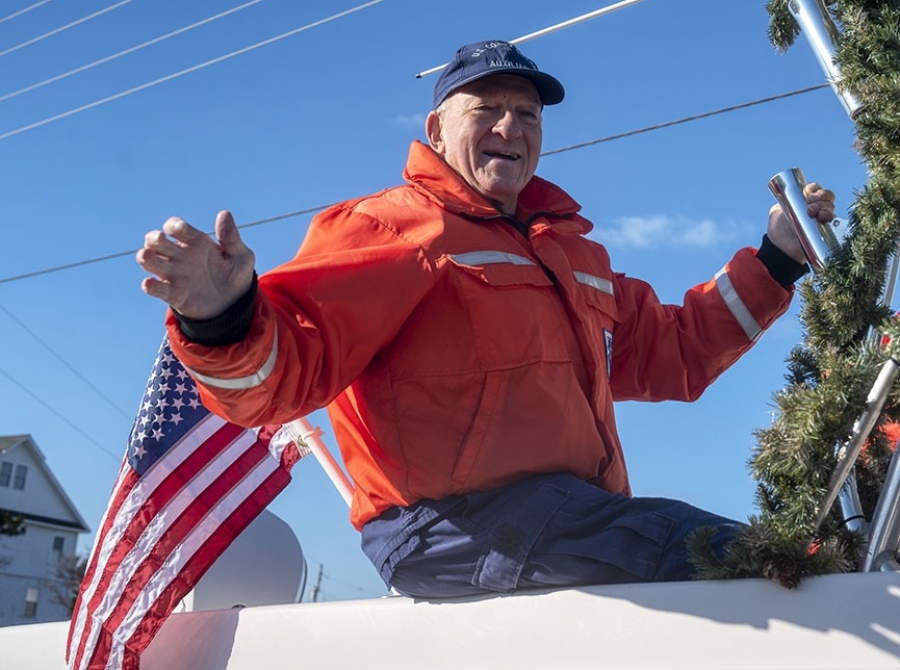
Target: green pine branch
<point>844,325</point>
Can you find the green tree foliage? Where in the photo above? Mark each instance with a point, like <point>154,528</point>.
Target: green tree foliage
<point>831,371</point>
<point>11,524</point>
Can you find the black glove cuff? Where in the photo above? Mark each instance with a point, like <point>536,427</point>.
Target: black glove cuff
<point>783,269</point>
<point>229,327</point>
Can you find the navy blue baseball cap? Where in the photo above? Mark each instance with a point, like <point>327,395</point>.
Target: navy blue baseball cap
<point>481,59</point>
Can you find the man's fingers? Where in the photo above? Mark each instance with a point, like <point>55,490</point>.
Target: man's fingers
<point>813,191</point>
<point>155,288</point>
<point>823,210</point>
<point>153,262</point>
<point>179,229</point>
<point>157,242</point>
<point>227,234</point>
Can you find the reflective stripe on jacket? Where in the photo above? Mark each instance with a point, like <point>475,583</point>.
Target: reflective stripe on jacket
<point>454,354</point>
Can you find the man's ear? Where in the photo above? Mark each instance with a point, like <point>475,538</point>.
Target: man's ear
<point>433,132</point>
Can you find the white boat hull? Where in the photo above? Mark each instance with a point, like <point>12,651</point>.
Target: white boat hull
<point>837,621</point>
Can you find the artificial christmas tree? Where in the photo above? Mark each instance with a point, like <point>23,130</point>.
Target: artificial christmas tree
<point>848,330</point>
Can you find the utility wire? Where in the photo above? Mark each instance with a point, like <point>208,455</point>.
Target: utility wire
<point>572,147</point>
<point>65,362</point>
<point>180,73</point>
<point>686,119</point>
<point>63,28</point>
<point>69,266</point>
<point>130,50</point>
<point>23,11</point>
<point>59,414</point>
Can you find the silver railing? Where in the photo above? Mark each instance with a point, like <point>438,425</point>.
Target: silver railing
<point>882,534</point>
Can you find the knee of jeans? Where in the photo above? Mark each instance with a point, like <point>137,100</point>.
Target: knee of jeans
<point>637,544</point>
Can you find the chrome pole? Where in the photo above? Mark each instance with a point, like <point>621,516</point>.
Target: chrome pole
<point>822,33</point>
<point>551,29</point>
<point>884,537</point>
<point>817,239</point>
<point>861,431</point>
<point>851,507</point>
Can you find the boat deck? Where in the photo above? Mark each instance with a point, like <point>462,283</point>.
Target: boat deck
<point>836,621</point>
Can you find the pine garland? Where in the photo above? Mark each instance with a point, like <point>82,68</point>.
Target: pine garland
<point>831,371</point>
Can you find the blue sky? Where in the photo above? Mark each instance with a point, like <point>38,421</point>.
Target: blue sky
<point>327,114</point>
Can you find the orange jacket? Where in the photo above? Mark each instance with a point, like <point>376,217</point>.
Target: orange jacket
<point>456,355</point>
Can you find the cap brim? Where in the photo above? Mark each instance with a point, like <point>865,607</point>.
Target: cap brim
<point>549,88</point>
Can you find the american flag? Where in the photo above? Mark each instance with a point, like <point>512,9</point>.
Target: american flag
<point>190,482</point>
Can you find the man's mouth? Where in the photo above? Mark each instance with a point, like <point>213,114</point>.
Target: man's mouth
<point>505,155</point>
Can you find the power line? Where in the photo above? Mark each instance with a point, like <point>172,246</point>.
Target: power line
<point>676,122</point>
<point>60,415</point>
<point>65,362</point>
<point>131,252</point>
<point>130,50</point>
<point>56,31</point>
<point>23,11</point>
<point>572,147</point>
<point>181,73</point>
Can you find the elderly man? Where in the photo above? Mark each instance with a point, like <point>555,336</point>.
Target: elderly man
<point>469,342</point>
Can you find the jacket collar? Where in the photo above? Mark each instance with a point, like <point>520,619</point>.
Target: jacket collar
<point>427,172</point>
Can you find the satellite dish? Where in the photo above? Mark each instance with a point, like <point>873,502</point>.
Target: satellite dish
<point>263,566</point>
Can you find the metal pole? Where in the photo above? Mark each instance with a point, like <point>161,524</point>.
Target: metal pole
<point>861,430</point>
<point>551,29</point>
<point>817,239</point>
<point>884,537</point>
<point>851,506</point>
<point>300,429</point>
<point>820,30</point>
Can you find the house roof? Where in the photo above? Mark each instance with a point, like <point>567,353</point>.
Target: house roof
<point>9,443</point>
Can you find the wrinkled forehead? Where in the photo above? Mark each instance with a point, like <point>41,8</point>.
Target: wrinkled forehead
<point>500,85</point>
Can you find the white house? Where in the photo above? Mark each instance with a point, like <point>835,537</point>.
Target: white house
<point>29,562</point>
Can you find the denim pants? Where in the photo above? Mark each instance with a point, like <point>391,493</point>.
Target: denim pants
<point>549,530</point>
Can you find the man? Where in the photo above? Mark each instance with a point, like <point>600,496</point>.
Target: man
<point>468,342</point>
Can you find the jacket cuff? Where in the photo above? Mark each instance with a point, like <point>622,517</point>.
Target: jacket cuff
<point>229,327</point>
<point>783,269</point>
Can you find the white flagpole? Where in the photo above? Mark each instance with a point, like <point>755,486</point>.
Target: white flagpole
<point>551,29</point>
<point>301,429</point>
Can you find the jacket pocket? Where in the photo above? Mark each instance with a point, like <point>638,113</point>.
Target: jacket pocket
<point>443,436</point>
<point>516,315</point>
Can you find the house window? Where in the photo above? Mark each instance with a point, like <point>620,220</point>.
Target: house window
<point>31,600</point>
<point>56,551</point>
<point>6,469</point>
<point>19,479</point>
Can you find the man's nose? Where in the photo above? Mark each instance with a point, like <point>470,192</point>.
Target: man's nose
<point>508,125</point>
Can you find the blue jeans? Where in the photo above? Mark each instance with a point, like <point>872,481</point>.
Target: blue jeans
<point>551,530</point>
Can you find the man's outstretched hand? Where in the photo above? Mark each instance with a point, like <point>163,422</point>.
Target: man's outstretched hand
<point>198,276</point>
